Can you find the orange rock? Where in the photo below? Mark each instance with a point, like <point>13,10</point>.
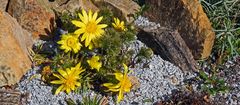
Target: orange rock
<point>14,41</point>
<point>32,17</point>
<point>189,19</point>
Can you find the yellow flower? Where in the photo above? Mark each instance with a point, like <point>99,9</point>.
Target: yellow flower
<point>68,78</point>
<point>89,26</point>
<point>94,62</point>
<point>118,25</point>
<point>124,84</point>
<point>70,43</point>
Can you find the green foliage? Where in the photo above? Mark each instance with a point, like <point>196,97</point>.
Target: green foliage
<point>96,100</point>
<point>70,102</point>
<point>113,51</point>
<point>224,15</point>
<point>212,84</point>
<point>107,15</point>
<point>145,53</point>
<point>63,20</point>
<point>143,8</point>
<point>87,100</point>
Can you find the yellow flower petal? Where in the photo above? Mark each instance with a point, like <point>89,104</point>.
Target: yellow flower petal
<point>78,84</point>
<point>88,40</point>
<point>58,76</point>
<point>120,96</point>
<point>102,26</point>
<point>114,90</point>
<point>78,66</point>
<point>118,76</point>
<point>107,84</point>
<point>94,16</point>
<point>59,89</point>
<point>90,47</point>
<point>127,89</point>
<point>85,17</point>
<point>125,68</point>
<point>115,86</point>
<point>99,20</point>
<point>57,82</point>
<point>68,90</point>
<point>90,15</point>
<point>78,23</point>
<point>68,71</point>
<point>62,72</point>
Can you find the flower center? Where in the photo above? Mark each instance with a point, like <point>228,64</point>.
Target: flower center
<point>70,81</point>
<point>91,27</point>
<point>70,42</point>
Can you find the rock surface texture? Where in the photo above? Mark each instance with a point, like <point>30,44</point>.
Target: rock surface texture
<point>67,5</point>
<point>3,4</point>
<point>167,43</point>
<point>189,19</point>
<point>32,17</point>
<point>122,8</point>
<point>10,97</point>
<point>14,41</point>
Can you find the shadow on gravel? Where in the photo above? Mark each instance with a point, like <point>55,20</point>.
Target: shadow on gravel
<point>186,98</point>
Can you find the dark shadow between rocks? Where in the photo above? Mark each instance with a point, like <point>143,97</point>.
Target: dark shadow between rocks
<point>50,33</point>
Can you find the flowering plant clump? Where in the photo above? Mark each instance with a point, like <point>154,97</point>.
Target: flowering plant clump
<point>100,41</point>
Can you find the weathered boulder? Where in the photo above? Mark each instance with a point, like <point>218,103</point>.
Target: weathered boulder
<point>67,5</point>
<point>170,46</point>
<point>32,17</point>
<point>14,42</point>
<point>3,4</point>
<point>189,19</point>
<point>123,8</point>
<point>88,5</point>
<point>10,97</point>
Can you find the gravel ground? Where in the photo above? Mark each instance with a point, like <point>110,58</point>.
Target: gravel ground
<point>231,74</point>
<point>42,94</point>
<point>157,81</point>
